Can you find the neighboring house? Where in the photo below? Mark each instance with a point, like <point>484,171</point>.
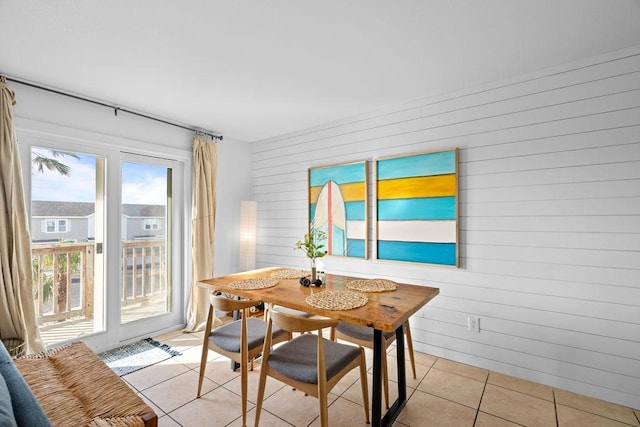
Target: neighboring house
<point>143,221</point>
<point>74,221</point>
<point>55,221</point>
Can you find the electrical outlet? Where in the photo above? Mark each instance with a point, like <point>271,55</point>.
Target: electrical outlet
<point>473,323</point>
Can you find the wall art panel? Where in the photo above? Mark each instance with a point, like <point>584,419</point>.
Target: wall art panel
<point>338,206</point>
<point>417,208</point>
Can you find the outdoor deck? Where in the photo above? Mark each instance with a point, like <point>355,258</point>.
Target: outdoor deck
<point>72,329</point>
<point>64,286</point>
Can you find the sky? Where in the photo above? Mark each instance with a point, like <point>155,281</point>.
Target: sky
<point>142,184</point>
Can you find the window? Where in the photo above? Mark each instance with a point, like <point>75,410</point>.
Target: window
<point>55,226</point>
<point>151,224</point>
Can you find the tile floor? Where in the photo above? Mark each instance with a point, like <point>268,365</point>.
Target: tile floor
<point>445,393</point>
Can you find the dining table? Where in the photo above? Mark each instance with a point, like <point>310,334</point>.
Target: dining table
<point>384,311</point>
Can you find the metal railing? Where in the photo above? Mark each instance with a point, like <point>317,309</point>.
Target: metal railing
<point>63,276</point>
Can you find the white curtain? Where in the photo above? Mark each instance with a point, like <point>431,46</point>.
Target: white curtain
<point>17,310</point>
<point>203,217</point>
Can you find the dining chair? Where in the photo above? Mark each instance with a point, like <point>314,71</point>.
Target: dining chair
<point>240,340</point>
<point>290,311</point>
<point>362,335</point>
<point>285,310</point>
<point>309,362</point>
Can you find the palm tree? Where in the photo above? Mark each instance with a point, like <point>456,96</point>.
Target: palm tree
<point>51,163</point>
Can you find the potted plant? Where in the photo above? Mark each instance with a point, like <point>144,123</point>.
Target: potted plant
<point>313,246</point>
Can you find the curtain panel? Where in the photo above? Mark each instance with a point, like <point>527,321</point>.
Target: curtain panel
<point>17,309</point>
<point>205,160</point>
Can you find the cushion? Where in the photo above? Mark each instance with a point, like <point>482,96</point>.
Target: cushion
<point>5,357</point>
<point>360,332</point>
<point>6,411</point>
<point>26,409</point>
<point>298,358</point>
<point>227,337</point>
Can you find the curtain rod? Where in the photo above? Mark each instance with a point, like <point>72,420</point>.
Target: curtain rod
<point>115,108</point>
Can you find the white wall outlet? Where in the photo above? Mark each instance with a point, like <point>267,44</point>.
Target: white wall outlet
<point>473,323</point>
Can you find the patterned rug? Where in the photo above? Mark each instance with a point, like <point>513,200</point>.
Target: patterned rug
<point>132,357</point>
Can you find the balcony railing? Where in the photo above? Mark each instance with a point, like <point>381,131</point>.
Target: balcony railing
<point>64,277</point>
<point>145,272</point>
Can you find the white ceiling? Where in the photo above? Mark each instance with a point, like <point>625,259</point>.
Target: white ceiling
<point>256,69</point>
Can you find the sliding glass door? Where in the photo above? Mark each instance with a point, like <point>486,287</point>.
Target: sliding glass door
<point>107,230</point>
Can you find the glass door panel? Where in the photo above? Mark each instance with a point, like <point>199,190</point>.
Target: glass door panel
<point>67,204</point>
<point>146,229</point>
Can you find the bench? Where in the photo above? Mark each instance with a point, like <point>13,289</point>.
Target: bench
<point>75,388</point>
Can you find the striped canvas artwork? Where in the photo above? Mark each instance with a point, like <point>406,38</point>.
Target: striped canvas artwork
<point>417,208</point>
<point>338,206</point>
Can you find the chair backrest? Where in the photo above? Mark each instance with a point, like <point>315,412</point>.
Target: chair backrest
<point>223,303</point>
<point>293,323</point>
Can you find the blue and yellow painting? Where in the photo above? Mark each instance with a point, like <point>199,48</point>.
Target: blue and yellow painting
<point>338,206</point>
<point>417,208</point>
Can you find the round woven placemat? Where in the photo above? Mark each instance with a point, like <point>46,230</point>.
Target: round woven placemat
<point>287,273</point>
<point>372,285</point>
<point>336,300</point>
<point>253,283</point>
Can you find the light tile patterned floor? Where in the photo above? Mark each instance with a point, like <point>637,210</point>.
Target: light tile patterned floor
<point>445,393</point>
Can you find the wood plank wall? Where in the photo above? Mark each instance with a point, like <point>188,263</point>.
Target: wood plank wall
<point>549,220</point>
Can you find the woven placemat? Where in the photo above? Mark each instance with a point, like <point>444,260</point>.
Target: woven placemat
<point>336,300</point>
<point>288,273</point>
<point>253,283</point>
<point>372,285</point>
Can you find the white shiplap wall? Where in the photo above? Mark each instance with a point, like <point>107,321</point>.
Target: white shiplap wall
<point>549,220</point>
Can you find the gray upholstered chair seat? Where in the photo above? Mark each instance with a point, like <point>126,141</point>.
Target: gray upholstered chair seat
<point>360,332</point>
<point>227,336</point>
<point>298,359</point>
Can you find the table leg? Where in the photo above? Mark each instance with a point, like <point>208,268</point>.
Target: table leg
<point>376,397</point>
<point>401,401</point>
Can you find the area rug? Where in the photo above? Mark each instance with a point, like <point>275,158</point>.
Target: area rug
<point>132,357</point>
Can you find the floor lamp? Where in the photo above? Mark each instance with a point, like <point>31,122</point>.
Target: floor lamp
<point>248,214</point>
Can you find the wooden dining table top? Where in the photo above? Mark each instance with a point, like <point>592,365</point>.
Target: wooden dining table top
<point>385,311</point>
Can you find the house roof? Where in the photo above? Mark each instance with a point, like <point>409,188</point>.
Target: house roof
<point>156,211</point>
<point>42,208</point>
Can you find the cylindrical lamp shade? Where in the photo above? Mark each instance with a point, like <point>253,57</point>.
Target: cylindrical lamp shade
<point>248,218</point>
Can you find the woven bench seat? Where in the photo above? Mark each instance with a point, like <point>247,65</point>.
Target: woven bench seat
<point>76,388</point>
